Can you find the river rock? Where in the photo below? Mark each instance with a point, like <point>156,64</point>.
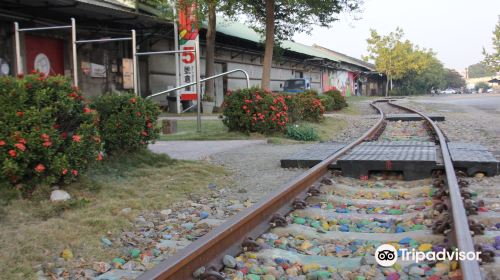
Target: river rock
<point>59,195</point>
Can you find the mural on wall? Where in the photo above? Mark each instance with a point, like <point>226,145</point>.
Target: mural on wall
<point>341,80</point>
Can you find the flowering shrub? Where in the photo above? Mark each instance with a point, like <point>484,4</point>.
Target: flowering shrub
<point>48,134</point>
<point>339,101</point>
<point>255,110</point>
<point>305,107</point>
<point>127,122</point>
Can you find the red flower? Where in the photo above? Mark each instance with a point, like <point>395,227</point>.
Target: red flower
<point>2,143</point>
<point>41,74</point>
<point>248,101</point>
<point>22,141</point>
<point>64,171</point>
<point>75,88</point>
<point>74,172</point>
<point>40,168</point>
<point>99,157</point>
<point>133,100</point>
<point>64,135</point>
<point>86,110</point>
<point>76,138</point>
<point>12,153</point>
<point>149,125</point>
<point>45,137</point>
<point>19,114</point>
<point>56,126</point>
<point>73,95</point>
<point>144,133</point>
<point>47,144</point>
<point>20,146</point>
<point>244,107</point>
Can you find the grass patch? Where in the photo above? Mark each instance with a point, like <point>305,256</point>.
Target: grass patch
<point>215,130</point>
<point>328,128</point>
<point>36,231</point>
<point>210,130</point>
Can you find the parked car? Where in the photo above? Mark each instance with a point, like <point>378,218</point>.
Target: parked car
<point>490,90</point>
<point>449,91</point>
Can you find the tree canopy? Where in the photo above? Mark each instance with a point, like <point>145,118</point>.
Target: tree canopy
<point>479,70</point>
<point>400,59</point>
<point>453,79</point>
<point>278,20</point>
<point>492,60</point>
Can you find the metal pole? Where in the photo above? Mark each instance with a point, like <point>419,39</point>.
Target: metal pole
<point>75,55</point>
<point>177,66</point>
<point>19,66</point>
<point>134,62</point>
<point>198,84</point>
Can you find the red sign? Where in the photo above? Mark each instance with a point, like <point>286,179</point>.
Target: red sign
<point>44,55</point>
<point>188,40</point>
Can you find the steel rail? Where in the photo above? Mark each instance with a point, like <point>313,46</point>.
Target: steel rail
<point>251,222</point>
<point>470,269</point>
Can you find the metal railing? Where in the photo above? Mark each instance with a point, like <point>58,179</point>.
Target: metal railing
<point>203,80</point>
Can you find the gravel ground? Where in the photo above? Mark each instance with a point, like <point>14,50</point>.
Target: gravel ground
<point>256,169</point>
<point>466,121</point>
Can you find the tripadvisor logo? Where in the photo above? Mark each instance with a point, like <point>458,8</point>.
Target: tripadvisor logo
<point>386,255</point>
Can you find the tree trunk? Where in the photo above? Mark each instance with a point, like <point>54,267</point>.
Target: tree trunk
<point>210,58</point>
<point>268,55</point>
<point>387,87</point>
<point>391,84</point>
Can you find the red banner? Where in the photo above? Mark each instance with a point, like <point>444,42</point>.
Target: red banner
<point>188,40</point>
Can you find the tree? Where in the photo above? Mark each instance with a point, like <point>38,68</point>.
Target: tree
<point>453,79</point>
<point>394,57</point>
<point>210,41</point>
<point>492,61</point>
<point>278,20</point>
<point>479,70</point>
<point>432,76</point>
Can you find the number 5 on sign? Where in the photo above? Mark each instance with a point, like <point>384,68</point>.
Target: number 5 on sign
<point>188,56</point>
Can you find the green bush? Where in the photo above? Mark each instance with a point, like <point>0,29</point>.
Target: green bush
<point>482,85</point>
<point>339,101</point>
<point>48,134</point>
<point>254,110</point>
<point>305,107</point>
<point>301,132</point>
<point>127,122</point>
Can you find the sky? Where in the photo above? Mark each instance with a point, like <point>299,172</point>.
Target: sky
<point>456,29</point>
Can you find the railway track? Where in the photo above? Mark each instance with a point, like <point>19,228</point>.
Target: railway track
<point>324,226</point>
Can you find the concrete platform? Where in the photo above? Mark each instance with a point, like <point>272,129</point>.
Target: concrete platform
<point>413,117</point>
<point>473,158</point>
<point>311,156</point>
<point>415,159</point>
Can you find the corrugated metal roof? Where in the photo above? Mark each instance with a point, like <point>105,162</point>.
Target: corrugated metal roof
<point>242,31</point>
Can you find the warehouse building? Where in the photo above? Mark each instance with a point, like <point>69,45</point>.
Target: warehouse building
<point>105,67</point>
